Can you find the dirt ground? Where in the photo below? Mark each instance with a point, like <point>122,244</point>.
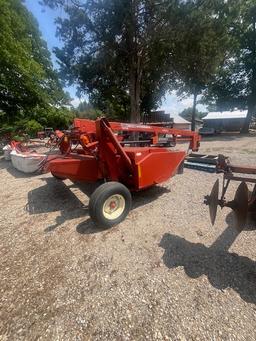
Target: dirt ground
<point>162,274</point>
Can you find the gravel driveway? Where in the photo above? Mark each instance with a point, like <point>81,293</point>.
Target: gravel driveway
<point>162,274</point>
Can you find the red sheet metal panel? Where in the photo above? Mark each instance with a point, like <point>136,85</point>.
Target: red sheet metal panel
<point>157,167</point>
<point>76,168</point>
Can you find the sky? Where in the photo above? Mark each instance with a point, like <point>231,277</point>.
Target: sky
<point>45,17</point>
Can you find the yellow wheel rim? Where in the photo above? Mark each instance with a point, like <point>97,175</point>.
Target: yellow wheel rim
<point>113,207</point>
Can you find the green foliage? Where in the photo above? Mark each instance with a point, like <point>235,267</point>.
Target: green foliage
<point>27,78</point>
<point>234,85</point>
<point>202,45</point>
<point>17,138</point>
<point>6,129</point>
<point>56,118</point>
<point>118,51</point>
<point>86,110</point>
<point>32,127</point>
<point>127,54</point>
<point>187,114</point>
<point>59,118</point>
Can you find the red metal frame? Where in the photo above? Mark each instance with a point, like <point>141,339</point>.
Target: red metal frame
<point>98,154</point>
<point>88,126</point>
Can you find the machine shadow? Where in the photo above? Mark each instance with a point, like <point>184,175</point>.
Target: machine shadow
<point>222,268</point>
<point>54,196</point>
<point>139,199</point>
<point>146,196</point>
<point>250,223</point>
<point>88,227</point>
<point>3,163</point>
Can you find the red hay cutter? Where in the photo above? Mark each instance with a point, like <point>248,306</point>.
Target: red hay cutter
<point>99,150</point>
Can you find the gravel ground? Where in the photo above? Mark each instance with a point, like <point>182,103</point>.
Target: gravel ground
<point>162,274</point>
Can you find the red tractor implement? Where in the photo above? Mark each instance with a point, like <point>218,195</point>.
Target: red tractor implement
<point>101,151</point>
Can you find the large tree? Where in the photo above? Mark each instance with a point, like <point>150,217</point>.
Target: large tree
<point>235,84</point>
<point>118,50</point>
<point>28,82</point>
<point>202,46</point>
<point>138,49</point>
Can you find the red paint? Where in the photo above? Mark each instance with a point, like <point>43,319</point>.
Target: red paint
<point>92,151</point>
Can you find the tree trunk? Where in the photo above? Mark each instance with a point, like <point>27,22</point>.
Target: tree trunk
<point>193,120</point>
<point>135,61</point>
<point>135,95</point>
<point>252,98</point>
<point>246,125</point>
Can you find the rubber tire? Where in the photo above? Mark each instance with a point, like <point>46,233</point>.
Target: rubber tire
<point>58,177</point>
<point>100,195</point>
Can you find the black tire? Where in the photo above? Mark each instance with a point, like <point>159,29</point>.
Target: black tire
<point>58,177</point>
<point>99,199</point>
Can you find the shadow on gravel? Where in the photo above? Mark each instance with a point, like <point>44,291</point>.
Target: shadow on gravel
<point>138,199</point>
<point>223,269</point>
<point>250,223</point>
<point>3,163</point>
<point>54,196</point>
<point>146,196</point>
<point>88,227</point>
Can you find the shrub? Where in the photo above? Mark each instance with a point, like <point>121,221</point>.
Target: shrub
<point>32,127</point>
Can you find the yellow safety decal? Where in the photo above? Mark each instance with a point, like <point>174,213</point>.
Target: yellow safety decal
<point>139,171</point>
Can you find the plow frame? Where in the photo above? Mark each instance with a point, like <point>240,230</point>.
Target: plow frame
<point>244,201</point>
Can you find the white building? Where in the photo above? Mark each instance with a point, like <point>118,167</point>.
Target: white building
<point>180,123</point>
<point>225,120</point>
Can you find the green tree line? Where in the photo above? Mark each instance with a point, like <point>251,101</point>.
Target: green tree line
<point>31,95</point>
<point>126,55</point>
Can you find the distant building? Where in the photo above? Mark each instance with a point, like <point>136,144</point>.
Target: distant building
<point>225,120</point>
<point>161,118</point>
<point>180,123</point>
<point>157,117</point>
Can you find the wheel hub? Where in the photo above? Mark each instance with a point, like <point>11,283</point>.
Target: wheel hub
<point>114,207</point>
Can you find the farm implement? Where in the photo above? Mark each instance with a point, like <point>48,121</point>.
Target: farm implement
<point>123,157</point>
<point>244,202</point>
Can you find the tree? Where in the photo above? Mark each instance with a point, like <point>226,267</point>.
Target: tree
<point>127,54</point>
<point>235,83</point>
<point>202,46</point>
<point>86,110</point>
<point>118,51</point>
<point>27,79</point>
<point>188,113</point>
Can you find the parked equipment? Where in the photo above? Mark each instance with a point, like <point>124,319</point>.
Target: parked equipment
<point>202,162</point>
<point>244,202</point>
<point>47,132</point>
<point>126,157</point>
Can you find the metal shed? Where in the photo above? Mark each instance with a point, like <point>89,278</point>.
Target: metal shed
<point>225,120</point>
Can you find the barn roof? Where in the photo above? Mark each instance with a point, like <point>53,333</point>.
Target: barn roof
<point>218,115</point>
<point>178,119</point>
